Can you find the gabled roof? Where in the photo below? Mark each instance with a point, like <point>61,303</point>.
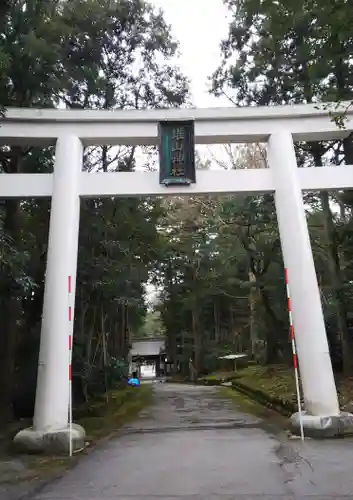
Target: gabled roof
<point>147,347</point>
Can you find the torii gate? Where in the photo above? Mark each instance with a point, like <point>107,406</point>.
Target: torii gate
<point>279,126</point>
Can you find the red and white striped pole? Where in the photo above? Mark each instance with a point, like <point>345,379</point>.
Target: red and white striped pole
<point>70,361</point>
<point>295,360</point>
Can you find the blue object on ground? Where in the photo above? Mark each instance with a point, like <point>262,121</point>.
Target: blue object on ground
<point>134,381</point>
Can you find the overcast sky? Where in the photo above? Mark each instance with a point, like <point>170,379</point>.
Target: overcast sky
<point>199,26</point>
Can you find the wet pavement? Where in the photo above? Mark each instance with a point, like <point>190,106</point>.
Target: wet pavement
<point>192,445</point>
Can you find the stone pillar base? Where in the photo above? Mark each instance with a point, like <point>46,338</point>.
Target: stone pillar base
<point>323,426</point>
<point>50,442</point>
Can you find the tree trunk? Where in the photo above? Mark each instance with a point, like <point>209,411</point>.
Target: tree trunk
<point>10,315</point>
<point>234,333</point>
<point>253,327</point>
<point>10,305</point>
<point>89,337</point>
<point>273,326</point>
<point>216,323</point>
<point>337,285</point>
<point>123,331</point>
<point>173,350</point>
<point>105,354</point>
<point>335,273</point>
<point>197,341</point>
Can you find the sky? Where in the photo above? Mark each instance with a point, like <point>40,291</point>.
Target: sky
<point>199,26</point>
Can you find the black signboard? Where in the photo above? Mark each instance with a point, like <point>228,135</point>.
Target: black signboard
<point>176,153</point>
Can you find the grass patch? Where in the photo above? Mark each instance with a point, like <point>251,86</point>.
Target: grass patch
<point>277,384</point>
<point>345,392</point>
<point>8,432</point>
<point>241,400</point>
<point>275,380</point>
<point>101,418</point>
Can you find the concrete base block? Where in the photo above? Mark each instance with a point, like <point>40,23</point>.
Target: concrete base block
<point>323,426</point>
<point>50,442</point>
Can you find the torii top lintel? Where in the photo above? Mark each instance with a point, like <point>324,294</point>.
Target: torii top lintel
<point>306,122</point>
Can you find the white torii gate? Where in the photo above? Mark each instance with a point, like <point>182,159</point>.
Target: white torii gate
<point>72,130</point>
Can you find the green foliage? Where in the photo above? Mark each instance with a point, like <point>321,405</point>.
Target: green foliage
<point>106,416</point>
<point>81,54</point>
<point>117,371</point>
<point>300,52</point>
<point>212,244</point>
<point>290,51</point>
<point>274,386</point>
<point>216,260</point>
<point>152,326</point>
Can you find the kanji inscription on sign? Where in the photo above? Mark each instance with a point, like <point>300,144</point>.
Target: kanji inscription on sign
<point>177,153</point>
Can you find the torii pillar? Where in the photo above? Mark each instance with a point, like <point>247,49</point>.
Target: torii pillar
<point>50,431</point>
<point>321,408</point>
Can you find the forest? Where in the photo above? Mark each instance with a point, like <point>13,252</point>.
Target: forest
<point>215,261</point>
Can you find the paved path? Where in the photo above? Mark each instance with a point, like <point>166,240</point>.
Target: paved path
<point>191,445</point>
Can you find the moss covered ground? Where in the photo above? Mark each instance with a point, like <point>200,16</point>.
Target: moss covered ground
<point>277,382</point>
<point>108,414</point>
<point>101,417</point>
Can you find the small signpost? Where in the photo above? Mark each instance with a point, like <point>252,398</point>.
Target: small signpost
<point>176,153</point>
